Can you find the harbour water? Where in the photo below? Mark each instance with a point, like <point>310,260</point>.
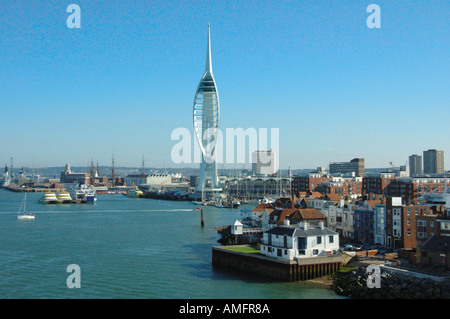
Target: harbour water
<point>125,248</point>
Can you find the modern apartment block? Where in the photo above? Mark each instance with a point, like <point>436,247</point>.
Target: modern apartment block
<point>415,165</point>
<point>310,182</point>
<point>355,166</point>
<point>377,183</point>
<point>433,162</point>
<point>405,223</point>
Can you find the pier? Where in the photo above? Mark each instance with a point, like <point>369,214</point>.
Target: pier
<point>277,269</point>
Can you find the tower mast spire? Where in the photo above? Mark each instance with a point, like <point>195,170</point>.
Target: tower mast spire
<point>208,52</point>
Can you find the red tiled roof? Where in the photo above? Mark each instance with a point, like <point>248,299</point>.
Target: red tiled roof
<point>333,196</point>
<point>296,214</point>
<point>262,207</point>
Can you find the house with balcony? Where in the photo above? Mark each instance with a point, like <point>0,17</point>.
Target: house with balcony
<point>294,242</point>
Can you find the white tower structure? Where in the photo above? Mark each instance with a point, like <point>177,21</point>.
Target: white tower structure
<point>206,125</point>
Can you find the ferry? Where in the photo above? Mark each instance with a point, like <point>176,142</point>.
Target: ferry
<point>135,193</point>
<point>84,194</point>
<point>64,198</point>
<point>49,198</point>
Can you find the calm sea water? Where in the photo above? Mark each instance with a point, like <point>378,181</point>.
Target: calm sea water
<point>125,248</point>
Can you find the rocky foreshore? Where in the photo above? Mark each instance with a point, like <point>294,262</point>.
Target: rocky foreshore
<point>353,284</point>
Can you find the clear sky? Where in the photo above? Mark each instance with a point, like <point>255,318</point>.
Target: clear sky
<point>124,81</point>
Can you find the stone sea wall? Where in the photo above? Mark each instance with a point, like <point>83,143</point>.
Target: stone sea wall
<point>353,283</point>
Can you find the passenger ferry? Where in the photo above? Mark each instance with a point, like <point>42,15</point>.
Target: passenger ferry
<point>64,198</point>
<point>49,198</point>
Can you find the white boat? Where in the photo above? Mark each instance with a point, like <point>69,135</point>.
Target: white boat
<point>49,198</point>
<point>266,200</point>
<point>236,203</point>
<point>84,193</point>
<point>64,198</point>
<point>24,215</point>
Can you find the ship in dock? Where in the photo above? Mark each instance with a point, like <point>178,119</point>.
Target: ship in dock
<point>49,198</point>
<point>83,193</point>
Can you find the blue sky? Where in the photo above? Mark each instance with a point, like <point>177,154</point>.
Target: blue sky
<point>124,81</point>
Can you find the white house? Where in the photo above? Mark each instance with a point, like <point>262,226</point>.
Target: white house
<point>237,228</point>
<point>299,241</point>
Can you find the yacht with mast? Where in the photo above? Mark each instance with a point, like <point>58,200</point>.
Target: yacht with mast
<point>23,215</point>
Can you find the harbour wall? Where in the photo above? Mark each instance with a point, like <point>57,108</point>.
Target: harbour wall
<point>280,270</point>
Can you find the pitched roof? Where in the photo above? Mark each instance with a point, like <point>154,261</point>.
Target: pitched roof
<point>311,213</point>
<point>333,197</point>
<point>295,231</point>
<point>296,214</point>
<point>262,207</point>
<point>437,243</point>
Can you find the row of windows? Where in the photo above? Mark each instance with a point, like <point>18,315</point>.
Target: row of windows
<point>280,251</point>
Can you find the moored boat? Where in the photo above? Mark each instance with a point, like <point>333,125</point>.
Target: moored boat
<point>64,198</point>
<point>49,198</point>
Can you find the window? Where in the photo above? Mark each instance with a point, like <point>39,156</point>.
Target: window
<point>319,240</point>
<point>431,224</point>
<point>408,211</point>
<point>315,252</point>
<point>301,252</point>
<point>408,222</point>
<point>331,239</point>
<point>301,243</point>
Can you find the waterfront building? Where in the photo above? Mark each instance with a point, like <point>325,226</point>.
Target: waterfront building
<point>415,165</point>
<point>433,162</point>
<point>264,163</point>
<point>206,124</point>
<point>277,216</point>
<point>251,187</point>
<point>355,166</point>
<point>148,179</point>
<point>436,252</point>
<point>299,241</point>
<point>69,177</point>
<point>402,223</point>
<point>309,182</point>
<point>135,179</point>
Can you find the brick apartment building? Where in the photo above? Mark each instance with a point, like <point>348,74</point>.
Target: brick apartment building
<point>406,225</point>
<point>377,184</point>
<point>343,188</point>
<point>308,183</point>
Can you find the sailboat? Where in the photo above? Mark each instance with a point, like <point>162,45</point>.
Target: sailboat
<point>24,215</point>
